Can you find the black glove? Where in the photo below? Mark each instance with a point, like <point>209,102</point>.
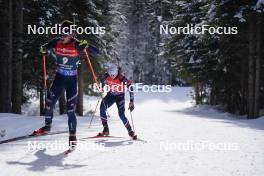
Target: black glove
<point>131,106</point>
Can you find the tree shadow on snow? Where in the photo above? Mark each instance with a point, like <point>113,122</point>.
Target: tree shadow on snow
<point>108,143</point>
<point>210,112</point>
<point>44,161</point>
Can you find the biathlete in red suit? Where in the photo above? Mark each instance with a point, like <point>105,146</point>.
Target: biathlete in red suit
<point>116,83</point>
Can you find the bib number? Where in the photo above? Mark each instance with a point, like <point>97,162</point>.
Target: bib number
<point>64,60</point>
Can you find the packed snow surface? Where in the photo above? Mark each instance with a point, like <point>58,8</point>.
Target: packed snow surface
<point>175,138</point>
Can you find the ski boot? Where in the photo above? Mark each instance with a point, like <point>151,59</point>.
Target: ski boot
<point>42,131</point>
<point>72,141</point>
<point>131,133</point>
<point>105,132</point>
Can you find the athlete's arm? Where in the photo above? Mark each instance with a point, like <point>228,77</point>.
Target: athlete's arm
<point>128,83</point>
<point>83,44</point>
<point>51,44</point>
<point>104,77</point>
<point>131,93</point>
<point>131,106</point>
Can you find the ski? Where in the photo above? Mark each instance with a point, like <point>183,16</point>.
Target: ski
<point>95,137</point>
<point>68,151</point>
<point>91,137</point>
<point>140,140</point>
<point>30,136</point>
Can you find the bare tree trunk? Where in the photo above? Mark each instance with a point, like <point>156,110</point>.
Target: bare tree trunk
<point>10,57</point>
<point>3,55</point>
<point>242,108</point>
<point>257,70</point>
<point>18,54</point>
<point>79,108</point>
<point>198,93</point>
<point>6,55</point>
<point>251,71</point>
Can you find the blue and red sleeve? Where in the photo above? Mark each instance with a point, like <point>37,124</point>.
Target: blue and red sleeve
<point>104,77</point>
<point>128,83</point>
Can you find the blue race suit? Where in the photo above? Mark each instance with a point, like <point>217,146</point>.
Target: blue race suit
<point>117,97</point>
<point>67,58</point>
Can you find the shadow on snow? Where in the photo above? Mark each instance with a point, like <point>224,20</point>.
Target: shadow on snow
<point>44,161</point>
<point>210,112</point>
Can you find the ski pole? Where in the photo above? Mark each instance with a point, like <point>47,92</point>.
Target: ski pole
<point>91,67</point>
<point>94,113</point>
<point>133,127</point>
<point>44,78</point>
<point>96,81</point>
<point>96,109</point>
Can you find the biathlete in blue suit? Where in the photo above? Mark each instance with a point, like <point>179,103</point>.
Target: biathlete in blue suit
<point>67,51</point>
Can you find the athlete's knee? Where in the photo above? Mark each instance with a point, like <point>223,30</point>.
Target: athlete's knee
<point>121,113</point>
<point>124,119</point>
<point>73,99</point>
<point>71,103</point>
<point>121,104</point>
<point>50,101</point>
<point>71,112</point>
<point>121,108</point>
<point>49,108</point>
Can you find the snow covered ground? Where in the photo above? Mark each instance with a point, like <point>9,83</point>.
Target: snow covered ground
<point>176,139</point>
